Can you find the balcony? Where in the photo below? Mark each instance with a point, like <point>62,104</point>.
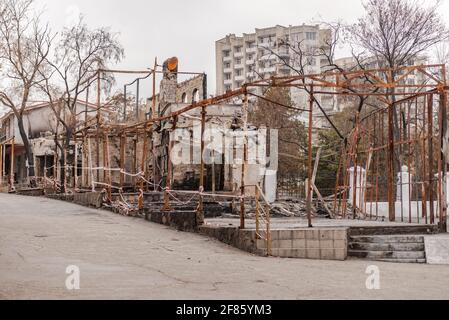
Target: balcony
<point>251,50</point>
<point>270,44</point>
<point>227,70</point>
<point>238,54</point>
<point>284,67</point>
<point>267,70</point>
<point>239,66</point>
<point>228,82</point>
<point>284,53</point>
<point>239,78</point>
<point>268,56</point>
<point>250,62</point>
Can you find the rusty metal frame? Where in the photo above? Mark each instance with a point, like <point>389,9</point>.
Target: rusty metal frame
<point>381,86</point>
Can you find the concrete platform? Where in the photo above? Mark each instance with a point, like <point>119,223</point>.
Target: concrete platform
<point>329,239</point>
<point>437,249</point>
<point>295,223</point>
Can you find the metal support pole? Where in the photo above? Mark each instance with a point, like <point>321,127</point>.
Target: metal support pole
<point>107,165</point>
<point>245,159</point>
<point>356,166</point>
<point>98,124</point>
<point>45,171</point>
<point>213,171</point>
<point>135,142</point>
<point>1,164</point>
<point>169,176</point>
<point>443,129</point>
<point>257,213</point>
<point>153,108</point>
<point>122,159</point>
<point>431,159</point>
<point>153,116</point>
<point>85,163</point>
<point>75,167</point>
<point>268,222</point>
<point>105,156</point>
<point>11,178</point>
<point>391,201</point>
<point>137,99</point>
<point>89,149</point>
<point>3,168</point>
<point>310,160</point>
<point>124,103</point>
<point>143,167</point>
<point>200,213</point>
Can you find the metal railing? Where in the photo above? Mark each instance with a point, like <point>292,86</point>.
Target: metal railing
<point>263,227</point>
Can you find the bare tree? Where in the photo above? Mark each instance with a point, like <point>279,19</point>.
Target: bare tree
<point>398,31</point>
<point>81,53</point>
<point>303,58</point>
<point>24,47</point>
<point>442,56</point>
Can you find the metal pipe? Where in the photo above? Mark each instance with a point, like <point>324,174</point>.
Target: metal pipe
<point>310,160</point>
<point>137,99</point>
<point>390,165</point>
<point>245,159</point>
<point>200,212</point>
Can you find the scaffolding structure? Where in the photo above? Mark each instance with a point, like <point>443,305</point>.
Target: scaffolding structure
<point>374,143</point>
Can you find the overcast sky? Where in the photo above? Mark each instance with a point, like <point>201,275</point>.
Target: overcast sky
<point>189,29</point>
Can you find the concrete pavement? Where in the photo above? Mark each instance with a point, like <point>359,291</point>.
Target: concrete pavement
<point>129,258</point>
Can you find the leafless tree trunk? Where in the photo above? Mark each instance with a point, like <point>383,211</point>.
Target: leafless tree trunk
<point>395,32</point>
<point>24,47</point>
<point>80,55</point>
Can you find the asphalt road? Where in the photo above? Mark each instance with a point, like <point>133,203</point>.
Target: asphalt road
<point>128,258</point>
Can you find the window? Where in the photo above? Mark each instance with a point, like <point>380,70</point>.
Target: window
<point>184,98</point>
<point>227,88</point>
<point>250,44</point>
<point>195,95</point>
<point>227,76</point>
<point>238,61</point>
<point>227,65</point>
<point>311,61</point>
<point>238,72</point>
<point>311,35</point>
<point>226,53</point>
<point>238,49</point>
<point>296,37</point>
<point>250,57</point>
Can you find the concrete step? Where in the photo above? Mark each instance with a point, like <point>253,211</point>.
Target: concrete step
<point>376,255</point>
<point>305,254</point>
<point>404,260</point>
<point>392,230</point>
<point>391,246</point>
<point>388,239</point>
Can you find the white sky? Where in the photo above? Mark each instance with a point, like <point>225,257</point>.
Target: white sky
<point>188,29</point>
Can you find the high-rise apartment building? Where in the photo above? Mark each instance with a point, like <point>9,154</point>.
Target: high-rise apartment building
<point>259,55</point>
